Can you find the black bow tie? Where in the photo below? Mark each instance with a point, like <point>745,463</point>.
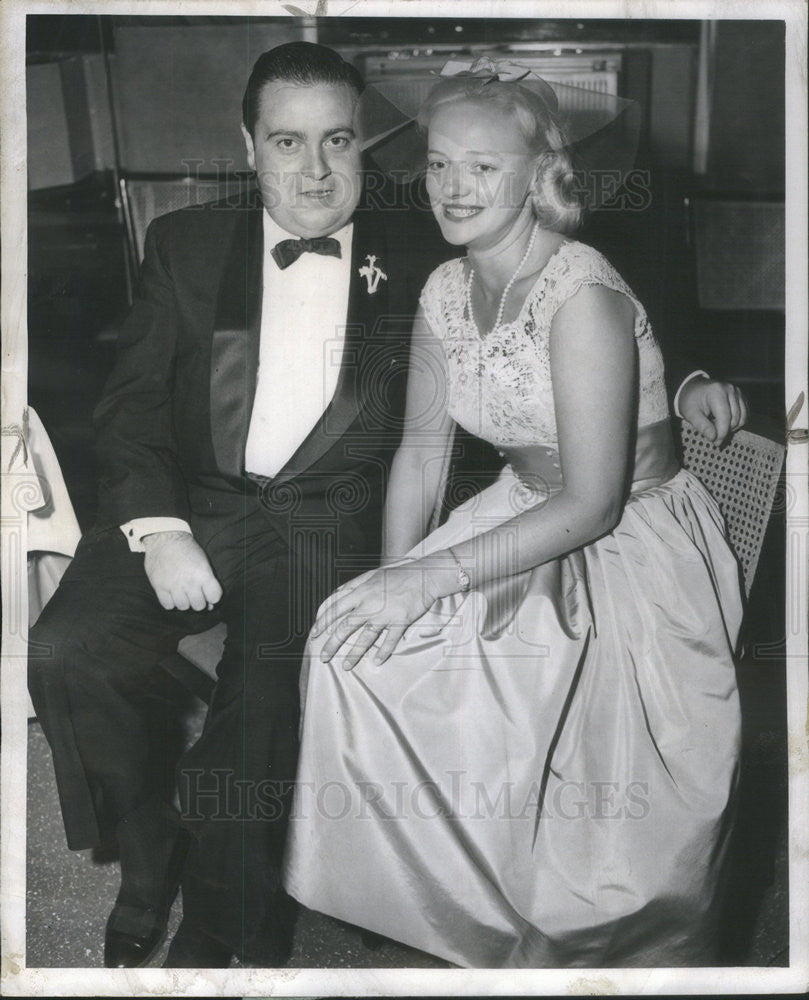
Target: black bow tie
<point>287,251</point>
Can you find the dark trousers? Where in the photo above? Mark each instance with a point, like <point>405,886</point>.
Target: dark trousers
<point>102,701</point>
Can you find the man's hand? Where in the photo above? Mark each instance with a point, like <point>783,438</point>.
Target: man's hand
<point>715,409</point>
<point>179,572</point>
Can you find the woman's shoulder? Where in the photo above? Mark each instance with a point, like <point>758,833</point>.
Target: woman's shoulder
<point>577,264</point>
<point>577,255</point>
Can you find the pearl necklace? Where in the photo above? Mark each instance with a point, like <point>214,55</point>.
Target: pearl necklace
<point>507,289</point>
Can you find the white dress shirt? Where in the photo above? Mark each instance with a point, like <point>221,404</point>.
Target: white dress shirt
<point>303,319</point>
<point>303,322</point>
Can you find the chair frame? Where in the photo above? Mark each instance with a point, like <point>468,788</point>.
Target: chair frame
<point>226,184</point>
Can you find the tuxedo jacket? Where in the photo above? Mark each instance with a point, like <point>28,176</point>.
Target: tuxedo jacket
<point>172,424</point>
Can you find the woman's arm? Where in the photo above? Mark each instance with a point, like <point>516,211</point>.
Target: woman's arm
<point>419,460</point>
<point>593,369</point>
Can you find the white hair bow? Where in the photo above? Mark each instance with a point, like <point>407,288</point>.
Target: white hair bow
<point>504,71</point>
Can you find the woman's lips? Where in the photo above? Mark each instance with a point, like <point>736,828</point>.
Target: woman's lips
<point>460,212</point>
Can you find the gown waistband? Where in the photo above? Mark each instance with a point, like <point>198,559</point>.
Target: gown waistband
<point>538,466</point>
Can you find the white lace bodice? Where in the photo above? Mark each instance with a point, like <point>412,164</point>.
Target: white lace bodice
<point>500,384</point>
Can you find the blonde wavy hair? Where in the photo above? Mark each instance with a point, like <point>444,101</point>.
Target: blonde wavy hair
<point>556,203</point>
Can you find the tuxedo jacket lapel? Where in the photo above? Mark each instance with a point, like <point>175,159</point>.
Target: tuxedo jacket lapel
<point>235,345</point>
<point>365,308</point>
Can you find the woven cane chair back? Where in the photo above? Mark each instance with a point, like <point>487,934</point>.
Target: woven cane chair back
<point>743,479</point>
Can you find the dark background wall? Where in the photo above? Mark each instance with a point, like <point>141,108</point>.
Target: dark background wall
<point>747,148</point>
<point>178,84</point>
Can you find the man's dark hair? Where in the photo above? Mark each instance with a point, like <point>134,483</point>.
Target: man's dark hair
<point>296,62</point>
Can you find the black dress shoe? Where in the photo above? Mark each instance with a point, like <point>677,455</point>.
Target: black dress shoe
<point>134,933</point>
<point>191,949</point>
<point>153,850</point>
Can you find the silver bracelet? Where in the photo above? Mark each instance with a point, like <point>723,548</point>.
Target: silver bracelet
<point>463,576</point>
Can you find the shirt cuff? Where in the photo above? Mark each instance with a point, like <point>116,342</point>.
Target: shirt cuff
<point>683,384</point>
<point>138,528</point>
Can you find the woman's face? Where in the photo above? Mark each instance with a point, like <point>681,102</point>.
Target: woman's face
<point>479,173</point>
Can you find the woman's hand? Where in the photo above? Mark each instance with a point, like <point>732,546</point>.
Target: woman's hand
<point>388,600</point>
<point>715,409</point>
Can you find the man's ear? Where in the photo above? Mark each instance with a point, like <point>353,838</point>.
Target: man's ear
<point>251,153</point>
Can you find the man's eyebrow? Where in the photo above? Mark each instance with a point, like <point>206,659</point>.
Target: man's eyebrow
<point>285,131</point>
<point>295,134</point>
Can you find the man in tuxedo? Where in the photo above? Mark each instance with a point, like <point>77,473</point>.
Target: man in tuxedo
<point>243,437</point>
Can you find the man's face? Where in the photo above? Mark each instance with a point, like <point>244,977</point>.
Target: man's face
<point>306,156</point>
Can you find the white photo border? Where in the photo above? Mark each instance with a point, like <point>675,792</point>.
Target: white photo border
<point>17,979</point>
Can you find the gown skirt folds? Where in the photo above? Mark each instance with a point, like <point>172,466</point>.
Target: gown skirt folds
<point>549,781</point>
